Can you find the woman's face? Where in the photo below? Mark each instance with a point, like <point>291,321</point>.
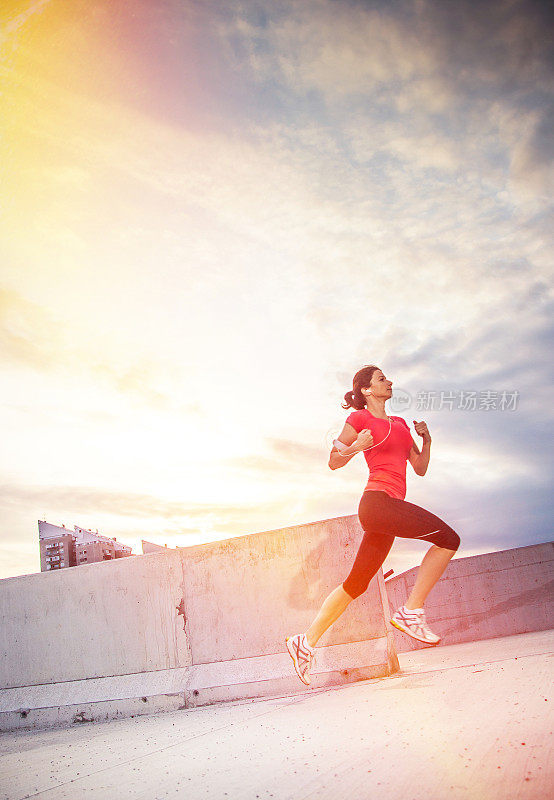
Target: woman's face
<point>380,385</point>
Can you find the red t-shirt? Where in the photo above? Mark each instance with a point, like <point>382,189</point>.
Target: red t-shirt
<point>387,462</point>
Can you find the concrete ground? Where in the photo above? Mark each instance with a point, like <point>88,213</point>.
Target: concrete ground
<point>469,720</point>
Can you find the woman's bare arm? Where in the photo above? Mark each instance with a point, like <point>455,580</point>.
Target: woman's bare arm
<point>355,443</point>
<point>420,460</point>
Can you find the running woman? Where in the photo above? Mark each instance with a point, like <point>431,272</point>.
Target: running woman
<point>387,445</point>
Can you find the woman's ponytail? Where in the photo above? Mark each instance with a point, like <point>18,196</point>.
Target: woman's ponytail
<point>349,400</point>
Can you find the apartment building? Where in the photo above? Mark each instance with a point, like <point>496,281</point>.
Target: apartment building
<point>61,548</point>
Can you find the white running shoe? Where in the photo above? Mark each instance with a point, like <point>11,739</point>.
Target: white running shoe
<point>302,655</point>
<point>412,621</point>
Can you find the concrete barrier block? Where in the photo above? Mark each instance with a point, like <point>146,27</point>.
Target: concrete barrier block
<point>94,620</point>
<point>481,597</point>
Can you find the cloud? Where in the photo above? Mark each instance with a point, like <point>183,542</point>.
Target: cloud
<point>34,337</point>
<point>532,157</point>
<point>288,461</point>
<point>152,513</point>
<point>27,334</point>
<point>436,85</point>
<point>17,21</point>
<point>341,47</point>
<point>497,354</point>
<point>88,501</point>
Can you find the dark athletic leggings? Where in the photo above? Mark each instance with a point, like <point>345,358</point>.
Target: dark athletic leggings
<point>383,517</point>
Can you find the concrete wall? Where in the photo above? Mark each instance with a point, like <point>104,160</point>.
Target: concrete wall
<point>218,613</point>
<point>481,597</point>
<point>108,618</point>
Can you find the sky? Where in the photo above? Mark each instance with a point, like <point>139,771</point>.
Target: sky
<point>213,214</point>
